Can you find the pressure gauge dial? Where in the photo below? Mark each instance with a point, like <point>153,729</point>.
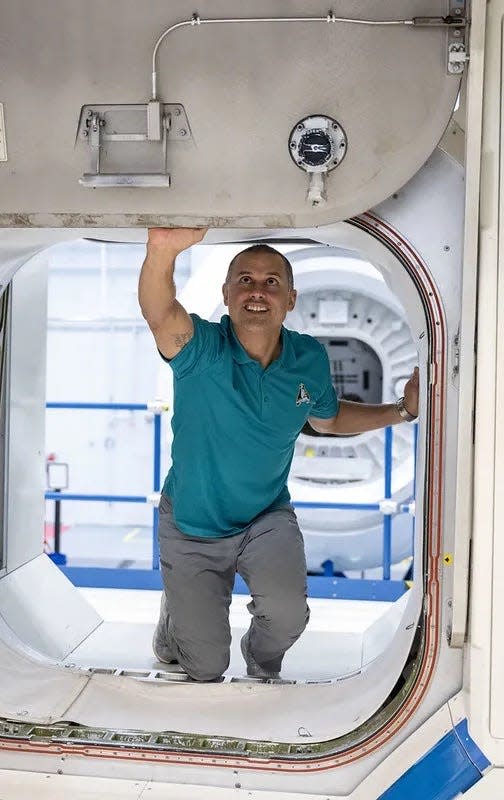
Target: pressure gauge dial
<point>317,144</point>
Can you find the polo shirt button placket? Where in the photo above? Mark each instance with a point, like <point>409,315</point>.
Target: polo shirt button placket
<point>265,397</point>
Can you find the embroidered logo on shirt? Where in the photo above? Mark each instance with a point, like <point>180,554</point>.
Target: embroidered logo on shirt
<point>302,395</point>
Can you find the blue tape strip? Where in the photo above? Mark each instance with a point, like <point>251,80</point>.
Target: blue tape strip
<point>452,766</point>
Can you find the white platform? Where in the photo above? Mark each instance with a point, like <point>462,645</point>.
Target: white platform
<point>331,645</point>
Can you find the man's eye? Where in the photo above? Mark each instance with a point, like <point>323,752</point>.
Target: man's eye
<point>272,281</point>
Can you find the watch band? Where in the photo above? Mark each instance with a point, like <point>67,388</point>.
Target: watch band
<point>403,411</point>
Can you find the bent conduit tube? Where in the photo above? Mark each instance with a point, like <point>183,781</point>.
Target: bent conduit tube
<point>196,20</point>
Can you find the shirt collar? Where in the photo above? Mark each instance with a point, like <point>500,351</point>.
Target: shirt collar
<point>240,355</point>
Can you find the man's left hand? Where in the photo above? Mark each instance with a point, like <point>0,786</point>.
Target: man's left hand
<point>411,394</point>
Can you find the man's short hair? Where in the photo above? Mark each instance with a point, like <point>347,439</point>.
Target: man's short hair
<point>265,248</point>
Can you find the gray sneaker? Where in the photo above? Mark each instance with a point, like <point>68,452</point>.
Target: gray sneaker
<point>159,648</point>
<point>253,668</point>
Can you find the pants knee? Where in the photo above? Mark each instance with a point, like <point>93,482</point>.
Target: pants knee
<point>288,616</point>
<point>297,617</point>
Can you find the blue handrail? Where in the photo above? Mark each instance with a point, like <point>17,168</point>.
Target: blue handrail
<point>106,406</point>
<point>406,507</point>
<point>387,518</point>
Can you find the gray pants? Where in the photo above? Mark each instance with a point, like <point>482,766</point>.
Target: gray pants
<point>198,576</point>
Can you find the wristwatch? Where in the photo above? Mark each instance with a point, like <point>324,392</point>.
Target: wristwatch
<point>403,411</point>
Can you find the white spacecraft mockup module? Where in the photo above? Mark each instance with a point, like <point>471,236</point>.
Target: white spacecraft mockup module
<point>339,138</point>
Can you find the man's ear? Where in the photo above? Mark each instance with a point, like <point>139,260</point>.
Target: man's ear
<point>292,299</point>
<point>225,293</point>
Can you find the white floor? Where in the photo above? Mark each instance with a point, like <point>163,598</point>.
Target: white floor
<point>332,644</point>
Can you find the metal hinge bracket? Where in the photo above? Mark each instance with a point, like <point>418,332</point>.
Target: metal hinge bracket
<point>457,51</point>
<point>103,126</point>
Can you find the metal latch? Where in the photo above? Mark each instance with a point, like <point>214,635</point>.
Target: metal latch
<point>457,57</point>
<point>457,51</point>
<point>121,137</point>
<point>456,356</point>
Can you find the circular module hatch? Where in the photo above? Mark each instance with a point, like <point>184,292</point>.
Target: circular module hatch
<point>371,354</point>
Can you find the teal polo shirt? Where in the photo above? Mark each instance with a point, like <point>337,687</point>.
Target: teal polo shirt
<point>235,425</point>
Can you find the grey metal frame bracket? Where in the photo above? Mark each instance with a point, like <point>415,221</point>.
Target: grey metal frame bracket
<point>456,46</point>
<point>132,126</point>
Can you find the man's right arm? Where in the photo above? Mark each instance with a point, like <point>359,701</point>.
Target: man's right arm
<point>168,320</point>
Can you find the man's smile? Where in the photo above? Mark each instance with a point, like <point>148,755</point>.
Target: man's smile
<point>255,307</point>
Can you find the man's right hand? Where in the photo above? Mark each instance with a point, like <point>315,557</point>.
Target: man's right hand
<point>174,240</point>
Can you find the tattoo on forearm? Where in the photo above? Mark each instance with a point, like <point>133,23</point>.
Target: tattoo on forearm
<point>182,338</point>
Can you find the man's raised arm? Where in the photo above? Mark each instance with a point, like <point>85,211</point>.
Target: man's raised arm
<point>168,320</point>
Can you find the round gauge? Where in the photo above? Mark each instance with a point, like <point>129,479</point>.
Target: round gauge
<point>317,144</point>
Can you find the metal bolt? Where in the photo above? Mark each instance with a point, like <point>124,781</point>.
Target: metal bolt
<point>90,113</point>
<point>446,248</point>
<point>335,125</point>
<point>293,144</point>
<point>456,32</point>
<point>177,112</point>
<point>342,144</point>
<point>458,12</point>
<point>85,133</point>
<point>182,132</point>
<point>300,127</point>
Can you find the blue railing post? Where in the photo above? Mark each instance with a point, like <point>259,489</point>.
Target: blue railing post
<point>387,518</point>
<point>157,487</point>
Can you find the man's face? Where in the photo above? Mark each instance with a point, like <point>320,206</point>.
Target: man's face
<point>257,293</point>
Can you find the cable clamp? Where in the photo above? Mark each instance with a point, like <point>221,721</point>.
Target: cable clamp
<point>457,57</point>
<point>158,406</point>
<point>195,20</point>
<point>388,506</point>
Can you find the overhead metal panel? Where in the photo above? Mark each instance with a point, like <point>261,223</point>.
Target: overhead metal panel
<point>240,88</point>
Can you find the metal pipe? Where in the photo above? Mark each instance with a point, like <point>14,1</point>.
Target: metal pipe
<point>156,487</point>
<point>57,521</point>
<point>341,506</point>
<point>98,498</point>
<point>107,498</point>
<point>329,18</point>
<point>387,518</point>
<point>105,406</point>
